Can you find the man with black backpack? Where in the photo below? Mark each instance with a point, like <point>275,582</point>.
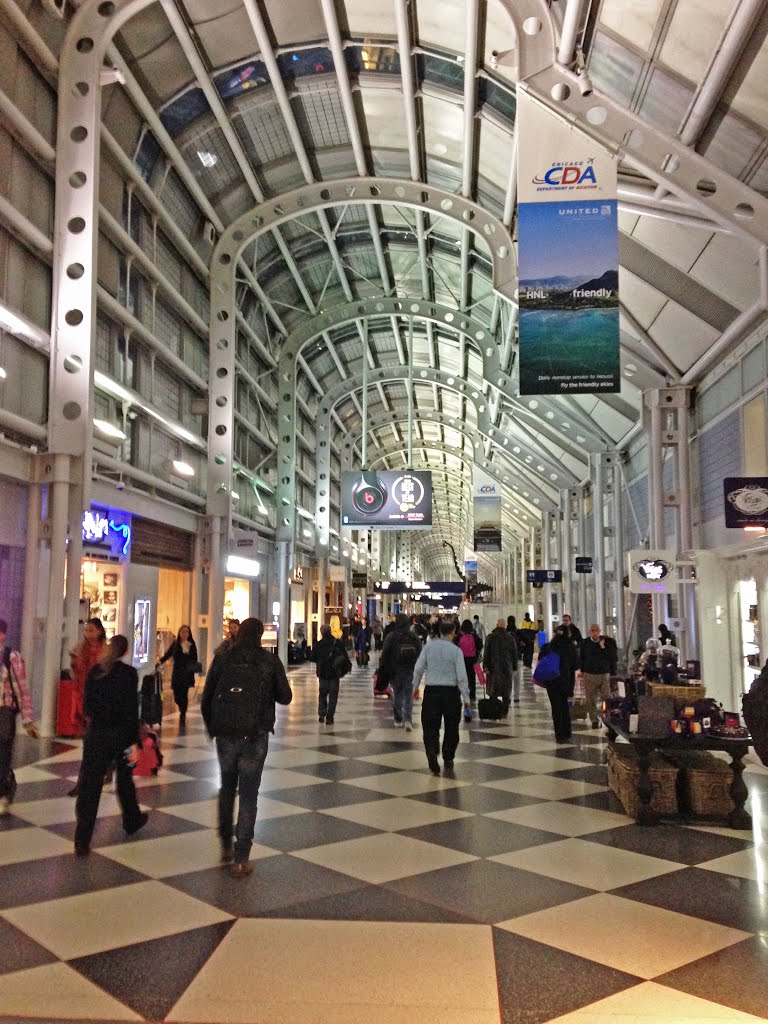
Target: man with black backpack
<point>332,662</point>
<point>14,698</point>
<point>398,659</point>
<point>238,707</point>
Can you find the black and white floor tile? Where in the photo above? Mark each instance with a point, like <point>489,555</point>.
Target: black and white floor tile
<point>514,892</point>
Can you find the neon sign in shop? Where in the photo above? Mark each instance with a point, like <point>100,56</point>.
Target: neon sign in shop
<point>104,528</point>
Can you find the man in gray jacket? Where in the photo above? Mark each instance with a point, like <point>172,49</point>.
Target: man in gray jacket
<point>441,665</point>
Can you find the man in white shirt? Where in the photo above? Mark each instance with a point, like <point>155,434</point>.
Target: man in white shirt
<point>441,665</point>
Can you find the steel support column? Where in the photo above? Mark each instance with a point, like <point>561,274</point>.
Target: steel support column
<point>617,544</point>
<point>55,474</point>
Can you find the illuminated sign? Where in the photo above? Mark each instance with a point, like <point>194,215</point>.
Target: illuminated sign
<point>105,528</point>
<point>746,501</point>
<point>652,572</point>
<point>387,499</point>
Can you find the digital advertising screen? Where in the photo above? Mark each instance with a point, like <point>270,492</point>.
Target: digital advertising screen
<point>389,499</point>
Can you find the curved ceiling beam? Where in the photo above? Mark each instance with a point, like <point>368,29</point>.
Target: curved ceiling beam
<point>503,473</point>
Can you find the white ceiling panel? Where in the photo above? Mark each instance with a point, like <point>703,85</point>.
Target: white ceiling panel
<point>369,19</point>
<point>634,20</point>
<point>641,300</point>
<point>729,267</point>
<point>680,246</point>
<point>683,336</point>
<point>692,35</point>
<point>627,221</point>
<point>443,129</point>
<point>495,152</point>
<point>750,100</point>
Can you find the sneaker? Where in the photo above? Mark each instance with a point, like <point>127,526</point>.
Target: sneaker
<point>74,791</point>
<point>5,805</point>
<point>448,766</point>
<point>408,727</point>
<point>227,852</point>
<point>82,849</point>
<point>398,725</point>
<point>434,764</point>
<point>321,718</point>
<point>242,869</point>
<point>140,823</point>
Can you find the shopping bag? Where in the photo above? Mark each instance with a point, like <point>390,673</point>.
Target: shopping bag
<point>547,669</point>
<point>480,674</point>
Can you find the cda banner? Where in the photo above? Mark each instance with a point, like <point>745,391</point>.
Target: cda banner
<point>568,257</point>
<point>486,501</point>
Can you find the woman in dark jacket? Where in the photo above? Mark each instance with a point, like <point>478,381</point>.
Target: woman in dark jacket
<point>110,707</point>
<point>558,690</point>
<point>184,654</point>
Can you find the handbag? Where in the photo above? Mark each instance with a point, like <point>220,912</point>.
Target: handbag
<point>547,669</point>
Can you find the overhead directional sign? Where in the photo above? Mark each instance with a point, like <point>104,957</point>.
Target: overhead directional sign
<point>544,575</point>
<point>583,564</point>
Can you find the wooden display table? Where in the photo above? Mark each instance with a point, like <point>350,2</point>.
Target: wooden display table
<point>739,818</point>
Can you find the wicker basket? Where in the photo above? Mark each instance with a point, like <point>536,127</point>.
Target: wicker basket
<point>704,783</point>
<point>623,773</point>
<point>689,694</point>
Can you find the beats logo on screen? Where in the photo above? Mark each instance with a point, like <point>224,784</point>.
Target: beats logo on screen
<point>369,495</point>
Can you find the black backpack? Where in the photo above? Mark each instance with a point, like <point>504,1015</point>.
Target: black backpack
<point>409,648</point>
<point>242,695</point>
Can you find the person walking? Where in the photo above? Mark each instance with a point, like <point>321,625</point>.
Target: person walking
<point>110,708</point>
<point>238,708</point>
<point>232,627</point>
<point>479,630</point>
<point>573,634</point>
<point>363,643</point>
<point>526,637</point>
<point>441,665</point>
<point>330,657</point>
<point>398,660</point>
<point>558,687</point>
<point>598,657</point>
<point>82,659</point>
<point>500,664</point>
<point>183,651</point>
<point>15,699</point>
<point>468,647</point>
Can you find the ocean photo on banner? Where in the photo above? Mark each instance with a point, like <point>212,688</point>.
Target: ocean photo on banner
<point>569,301</point>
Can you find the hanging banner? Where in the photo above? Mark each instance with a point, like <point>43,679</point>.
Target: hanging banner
<point>470,573</point>
<point>486,502</point>
<point>568,257</point>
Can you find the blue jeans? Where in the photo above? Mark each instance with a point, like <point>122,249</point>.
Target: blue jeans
<point>402,697</point>
<point>241,760</point>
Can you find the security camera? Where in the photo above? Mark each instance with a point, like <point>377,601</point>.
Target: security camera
<point>585,83</point>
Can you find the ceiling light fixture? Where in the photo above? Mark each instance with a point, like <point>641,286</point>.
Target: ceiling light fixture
<point>104,427</point>
<point>206,158</point>
<point>182,468</point>
<point>3,374</point>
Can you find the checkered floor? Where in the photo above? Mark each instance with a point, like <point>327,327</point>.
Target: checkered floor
<point>517,891</point>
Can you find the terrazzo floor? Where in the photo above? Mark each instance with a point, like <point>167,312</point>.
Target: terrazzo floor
<point>516,891</point>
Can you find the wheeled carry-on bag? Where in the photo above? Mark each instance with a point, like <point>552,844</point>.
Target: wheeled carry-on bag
<point>489,708</point>
<point>152,699</point>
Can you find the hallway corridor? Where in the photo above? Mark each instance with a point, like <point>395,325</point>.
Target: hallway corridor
<point>515,892</point>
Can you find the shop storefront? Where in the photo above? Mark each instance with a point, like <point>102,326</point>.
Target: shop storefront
<point>241,582</point>
<point>298,610</point>
<point>107,535</point>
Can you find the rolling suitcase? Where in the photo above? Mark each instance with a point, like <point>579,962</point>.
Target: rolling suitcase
<point>152,699</point>
<point>150,759</point>
<point>489,708</point>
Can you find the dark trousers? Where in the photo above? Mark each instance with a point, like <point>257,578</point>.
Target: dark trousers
<point>100,750</point>
<point>181,696</point>
<point>327,696</point>
<point>241,761</point>
<point>469,667</point>
<point>558,693</point>
<point>7,736</point>
<point>441,705</point>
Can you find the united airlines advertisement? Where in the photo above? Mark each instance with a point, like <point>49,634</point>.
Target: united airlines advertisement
<point>486,502</point>
<point>389,499</point>
<point>568,258</point>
